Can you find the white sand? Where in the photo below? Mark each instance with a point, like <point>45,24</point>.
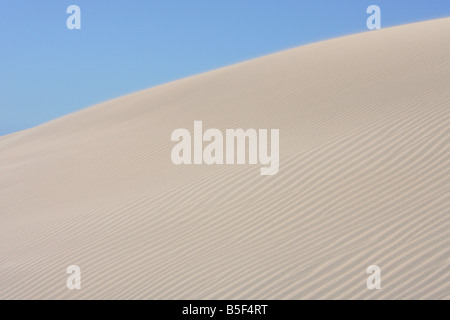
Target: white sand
<point>364,179</point>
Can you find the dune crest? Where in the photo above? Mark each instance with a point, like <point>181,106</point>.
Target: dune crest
<point>364,181</point>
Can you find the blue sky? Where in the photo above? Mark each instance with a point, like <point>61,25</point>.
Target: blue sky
<point>47,70</point>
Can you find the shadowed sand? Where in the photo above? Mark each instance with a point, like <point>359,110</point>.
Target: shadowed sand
<point>364,179</point>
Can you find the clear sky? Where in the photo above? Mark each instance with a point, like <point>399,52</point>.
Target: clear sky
<point>47,70</point>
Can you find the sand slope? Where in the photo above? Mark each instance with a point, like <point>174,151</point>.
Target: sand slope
<point>364,179</point>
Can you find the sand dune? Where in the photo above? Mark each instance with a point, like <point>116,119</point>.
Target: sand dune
<point>363,180</point>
